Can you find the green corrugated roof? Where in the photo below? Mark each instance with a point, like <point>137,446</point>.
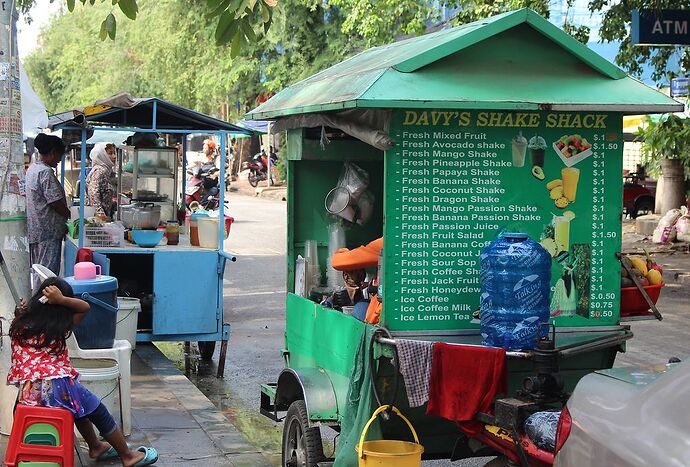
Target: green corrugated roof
<point>509,61</point>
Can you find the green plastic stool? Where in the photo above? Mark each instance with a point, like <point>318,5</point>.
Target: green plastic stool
<point>43,434</point>
<point>39,464</point>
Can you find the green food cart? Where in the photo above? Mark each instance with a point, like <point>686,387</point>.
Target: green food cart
<point>505,124</point>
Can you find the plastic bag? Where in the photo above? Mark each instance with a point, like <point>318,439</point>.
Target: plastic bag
<point>541,428</point>
<point>665,231</point>
<point>354,179</point>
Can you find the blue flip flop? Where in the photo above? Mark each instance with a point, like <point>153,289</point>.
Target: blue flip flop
<point>108,454</point>
<point>150,456</point>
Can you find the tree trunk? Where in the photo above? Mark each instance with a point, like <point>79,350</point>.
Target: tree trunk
<point>13,241</point>
<point>659,194</point>
<point>674,185</point>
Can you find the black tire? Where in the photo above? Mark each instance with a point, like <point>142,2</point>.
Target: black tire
<point>302,445</point>
<point>253,179</point>
<point>643,206</point>
<point>206,349</point>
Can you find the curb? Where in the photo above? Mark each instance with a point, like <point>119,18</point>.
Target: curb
<point>233,445</point>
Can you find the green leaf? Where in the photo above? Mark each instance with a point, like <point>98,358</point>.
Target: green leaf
<point>215,4</point>
<point>70,5</point>
<point>226,29</point>
<point>237,43</point>
<point>115,2</point>
<point>104,31</point>
<point>248,30</point>
<point>129,8</point>
<point>265,13</point>
<point>220,8</point>
<point>111,25</point>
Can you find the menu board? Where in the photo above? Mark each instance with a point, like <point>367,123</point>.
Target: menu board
<point>457,179</point>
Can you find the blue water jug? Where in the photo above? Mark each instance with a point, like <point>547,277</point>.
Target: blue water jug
<point>97,329</point>
<point>515,283</point>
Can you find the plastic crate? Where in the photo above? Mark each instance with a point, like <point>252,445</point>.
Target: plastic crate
<point>108,235</point>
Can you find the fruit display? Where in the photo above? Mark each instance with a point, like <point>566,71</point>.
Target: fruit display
<point>557,193</point>
<point>645,269</point>
<point>572,145</point>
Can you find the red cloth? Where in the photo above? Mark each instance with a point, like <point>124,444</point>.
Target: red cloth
<point>465,380</point>
<point>83,255</point>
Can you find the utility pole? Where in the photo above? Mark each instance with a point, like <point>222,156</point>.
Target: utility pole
<point>13,241</point>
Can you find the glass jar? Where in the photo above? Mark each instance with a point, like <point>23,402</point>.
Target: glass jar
<point>172,232</point>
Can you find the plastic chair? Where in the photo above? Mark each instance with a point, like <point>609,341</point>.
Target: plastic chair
<point>18,452</point>
<point>42,433</point>
<point>122,354</point>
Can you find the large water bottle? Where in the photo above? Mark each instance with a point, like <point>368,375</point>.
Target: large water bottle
<point>515,282</point>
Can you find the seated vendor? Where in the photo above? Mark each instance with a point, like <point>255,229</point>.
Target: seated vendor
<point>353,264</point>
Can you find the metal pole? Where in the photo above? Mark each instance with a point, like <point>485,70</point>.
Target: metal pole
<point>13,240</point>
<point>268,137</point>
<point>82,188</point>
<point>221,198</point>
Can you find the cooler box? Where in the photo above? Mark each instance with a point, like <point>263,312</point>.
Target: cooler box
<point>97,329</point>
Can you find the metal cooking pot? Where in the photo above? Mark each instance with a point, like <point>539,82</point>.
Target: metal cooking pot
<point>140,215</point>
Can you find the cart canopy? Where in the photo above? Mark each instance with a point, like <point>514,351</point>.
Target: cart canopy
<point>122,110</point>
<point>516,60</point>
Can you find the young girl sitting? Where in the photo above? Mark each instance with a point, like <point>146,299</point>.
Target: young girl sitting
<point>45,377</point>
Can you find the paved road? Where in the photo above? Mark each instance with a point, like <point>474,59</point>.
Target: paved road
<point>254,305</point>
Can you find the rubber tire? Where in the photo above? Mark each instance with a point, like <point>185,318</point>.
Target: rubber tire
<point>206,349</point>
<point>253,180</point>
<point>312,444</point>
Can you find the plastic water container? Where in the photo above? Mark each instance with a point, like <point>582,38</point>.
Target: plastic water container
<point>515,283</point>
<point>193,220</point>
<point>100,376</point>
<point>127,316</point>
<point>208,231</point>
<point>97,329</point>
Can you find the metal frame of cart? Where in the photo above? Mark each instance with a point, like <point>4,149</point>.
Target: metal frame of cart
<point>186,307</point>
<point>510,63</point>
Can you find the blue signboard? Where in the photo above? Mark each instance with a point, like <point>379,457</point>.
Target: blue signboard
<point>661,27</point>
<point>679,87</point>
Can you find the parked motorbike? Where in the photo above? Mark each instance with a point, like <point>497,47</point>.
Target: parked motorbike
<point>202,188</point>
<point>258,168</point>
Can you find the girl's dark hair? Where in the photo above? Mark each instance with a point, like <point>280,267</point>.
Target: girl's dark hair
<point>48,143</point>
<point>49,324</point>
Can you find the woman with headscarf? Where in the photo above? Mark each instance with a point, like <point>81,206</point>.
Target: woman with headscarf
<point>99,190</point>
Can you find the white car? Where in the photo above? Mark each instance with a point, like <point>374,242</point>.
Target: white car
<point>627,417</point>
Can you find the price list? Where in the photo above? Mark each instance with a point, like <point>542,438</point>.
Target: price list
<point>453,188</point>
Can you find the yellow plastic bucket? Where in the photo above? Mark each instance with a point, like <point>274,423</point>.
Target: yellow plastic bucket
<point>389,453</point>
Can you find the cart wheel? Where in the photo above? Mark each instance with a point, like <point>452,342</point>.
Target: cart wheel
<point>301,444</point>
<point>206,349</point>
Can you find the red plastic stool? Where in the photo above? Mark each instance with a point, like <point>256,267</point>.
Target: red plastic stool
<point>24,417</point>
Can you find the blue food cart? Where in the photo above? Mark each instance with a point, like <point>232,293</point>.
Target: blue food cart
<point>180,286</point>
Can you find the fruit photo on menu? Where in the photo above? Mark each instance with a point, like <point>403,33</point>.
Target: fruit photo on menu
<point>572,149</point>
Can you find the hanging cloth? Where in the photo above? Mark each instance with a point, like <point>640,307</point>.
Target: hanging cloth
<point>359,405</point>
<point>415,367</point>
<point>465,380</point>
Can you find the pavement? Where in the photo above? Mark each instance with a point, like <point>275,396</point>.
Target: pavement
<point>172,415</point>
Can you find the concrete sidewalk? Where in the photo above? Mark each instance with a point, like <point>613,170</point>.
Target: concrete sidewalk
<point>172,415</point>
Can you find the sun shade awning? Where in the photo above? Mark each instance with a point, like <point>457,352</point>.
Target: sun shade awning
<point>142,113</point>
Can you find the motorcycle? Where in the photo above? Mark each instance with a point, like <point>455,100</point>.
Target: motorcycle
<point>258,168</point>
<point>202,190</point>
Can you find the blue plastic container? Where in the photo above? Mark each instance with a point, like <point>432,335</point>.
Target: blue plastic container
<point>97,329</point>
<point>515,283</point>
